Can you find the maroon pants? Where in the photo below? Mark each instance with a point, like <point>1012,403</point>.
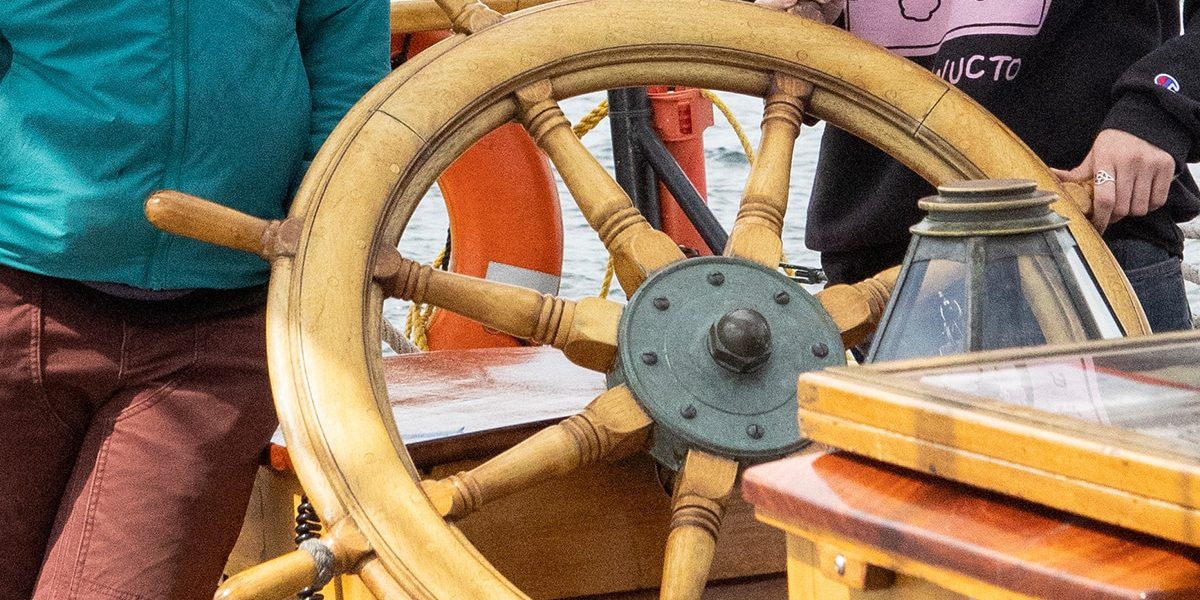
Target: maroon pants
<point>127,449</point>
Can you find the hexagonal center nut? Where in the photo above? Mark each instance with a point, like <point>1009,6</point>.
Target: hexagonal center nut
<point>740,340</point>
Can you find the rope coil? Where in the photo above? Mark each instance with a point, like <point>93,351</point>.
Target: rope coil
<point>740,131</point>
<point>416,325</point>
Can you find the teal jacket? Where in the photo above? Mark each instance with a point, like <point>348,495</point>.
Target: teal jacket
<point>103,102</point>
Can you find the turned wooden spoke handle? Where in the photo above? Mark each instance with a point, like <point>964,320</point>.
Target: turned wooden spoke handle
<point>857,309</point>
<point>613,426</point>
<point>586,331</point>
<point>702,491</point>
<point>342,550</point>
<point>197,218</point>
<point>637,249</point>
<point>276,579</point>
<point>759,225</point>
<point>1082,193</point>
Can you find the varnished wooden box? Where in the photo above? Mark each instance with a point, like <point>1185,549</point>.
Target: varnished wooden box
<point>1108,430</point>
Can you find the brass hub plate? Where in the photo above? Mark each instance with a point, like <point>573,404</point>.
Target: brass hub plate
<point>664,357</point>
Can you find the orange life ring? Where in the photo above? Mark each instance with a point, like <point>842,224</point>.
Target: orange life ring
<point>505,220</point>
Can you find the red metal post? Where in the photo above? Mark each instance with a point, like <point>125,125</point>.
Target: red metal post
<point>680,117</point>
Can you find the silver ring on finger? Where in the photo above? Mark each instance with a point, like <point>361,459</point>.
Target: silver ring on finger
<point>1103,177</point>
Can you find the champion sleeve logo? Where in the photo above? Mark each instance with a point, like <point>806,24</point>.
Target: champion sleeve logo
<point>920,27</point>
<point>1166,80</point>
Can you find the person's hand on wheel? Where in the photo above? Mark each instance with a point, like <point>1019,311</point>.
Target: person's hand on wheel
<point>824,11</point>
<point>1131,176</point>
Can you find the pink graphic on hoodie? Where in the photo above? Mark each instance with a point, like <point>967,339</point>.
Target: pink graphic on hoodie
<point>920,27</point>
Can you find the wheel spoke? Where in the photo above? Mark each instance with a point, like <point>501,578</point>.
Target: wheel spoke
<point>637,249</point>
<point>757,231</point>
<point>698,505</point>
<point>205,220</point>
<point>856,309</point>
<point>612,426</point>
<point>469,16</point>
<point>586,331</point>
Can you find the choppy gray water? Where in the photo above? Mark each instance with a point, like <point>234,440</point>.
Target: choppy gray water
<point>584,256</point>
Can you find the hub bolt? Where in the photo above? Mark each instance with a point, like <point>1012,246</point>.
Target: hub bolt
<point>755,431</point>
<point>740,341</point>
<point>716,278</point>
<point>820,350</point>
<point>688,412</point>
<point>783,298</point>
<point>650,358</point>
<point>662,303</point>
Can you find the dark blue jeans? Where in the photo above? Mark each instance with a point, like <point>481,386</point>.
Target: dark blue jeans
<point>1157,280</point>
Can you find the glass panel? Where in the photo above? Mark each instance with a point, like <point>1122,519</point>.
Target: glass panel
<point>1006,318</point>
<point>1155,391</point>
<point>928,316</point>
<point>1026,301</point>
<point>1105,319</point>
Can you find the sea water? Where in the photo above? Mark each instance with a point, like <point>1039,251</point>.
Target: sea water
<point>727,167</point>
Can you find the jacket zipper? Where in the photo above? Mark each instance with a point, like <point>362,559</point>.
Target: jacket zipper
<point>179,116</point>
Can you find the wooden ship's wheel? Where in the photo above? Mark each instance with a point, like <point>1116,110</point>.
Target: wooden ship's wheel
<point>701,362</point>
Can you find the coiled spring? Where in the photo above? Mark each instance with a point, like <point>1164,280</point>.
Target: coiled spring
<point>308,526</point>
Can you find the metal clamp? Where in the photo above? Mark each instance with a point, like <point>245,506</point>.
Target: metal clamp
<point>804,275</point>
<point>323,559</point>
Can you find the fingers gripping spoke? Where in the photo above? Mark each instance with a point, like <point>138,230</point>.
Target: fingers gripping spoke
<point>698,505</point>
<point>637,249</point>
<point>469,16</point>
<point>586,331</point>
<point>757,232</point>
<point>611,427</point>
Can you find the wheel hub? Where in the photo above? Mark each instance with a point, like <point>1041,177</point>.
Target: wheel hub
<point>740,340</point>
<point>711,349</point>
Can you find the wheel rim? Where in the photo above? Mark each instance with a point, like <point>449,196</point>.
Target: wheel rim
<point>324,309</point>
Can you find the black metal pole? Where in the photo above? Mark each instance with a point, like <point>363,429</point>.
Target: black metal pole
<point>676,181</point>
<point>629,113</point>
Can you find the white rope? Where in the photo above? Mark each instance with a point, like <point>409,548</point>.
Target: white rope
<point>1191,273</point>
<point>395,339</point>
<point>1191,230</point>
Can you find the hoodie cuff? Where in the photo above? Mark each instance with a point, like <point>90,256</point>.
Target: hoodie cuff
<point>1138,114</point>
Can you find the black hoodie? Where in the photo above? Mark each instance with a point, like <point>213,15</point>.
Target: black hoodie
<point>1056,72</point>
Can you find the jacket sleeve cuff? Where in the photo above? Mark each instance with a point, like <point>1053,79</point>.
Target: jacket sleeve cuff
<point>1138,114</point>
